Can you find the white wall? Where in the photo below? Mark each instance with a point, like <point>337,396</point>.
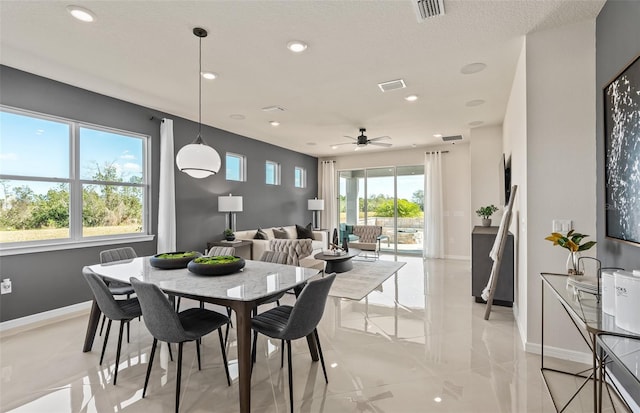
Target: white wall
<point>485,153</point>
<point>456,180</point>
<point>554,165</point>
<point>514,129</point>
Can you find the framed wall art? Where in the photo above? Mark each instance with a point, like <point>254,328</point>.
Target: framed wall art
<point>622,154</point>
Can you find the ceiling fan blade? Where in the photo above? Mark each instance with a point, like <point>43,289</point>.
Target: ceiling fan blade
<point>350,137</point>
<point>335,145</point>
<point>379,138</point>
<point>383,144</point>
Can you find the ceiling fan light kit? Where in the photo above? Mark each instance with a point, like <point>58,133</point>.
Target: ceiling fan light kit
<point>362,141</point>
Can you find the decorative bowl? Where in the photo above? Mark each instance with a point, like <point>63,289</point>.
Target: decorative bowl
<point>173,260</point>
<point>218,265</point>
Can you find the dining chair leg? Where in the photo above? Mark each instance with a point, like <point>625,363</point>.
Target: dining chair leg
<point>253,347</point>
<point>324,370</point>
<point>179,376</point>
<point>115,374</point>
<point>106,338</point>
<point>198,353</point>
<point>290,374</point>
<point>170,352</point>
<point>178,305</point>
<point>102,324</point>
<point>224,356</point>
<point>146,379</point>
<point>128,331</point>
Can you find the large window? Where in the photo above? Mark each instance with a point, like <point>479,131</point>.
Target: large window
<point>64,181</point>
<point>272,173</point>
<point>236,167</point>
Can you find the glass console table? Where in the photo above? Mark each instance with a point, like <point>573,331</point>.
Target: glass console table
<point>585,312</point>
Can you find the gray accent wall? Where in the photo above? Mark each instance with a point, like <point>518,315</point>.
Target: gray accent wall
<point>50,280</point>
<point>617,44</point>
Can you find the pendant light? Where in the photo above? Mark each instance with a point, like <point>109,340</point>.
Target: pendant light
<point>198,159</point>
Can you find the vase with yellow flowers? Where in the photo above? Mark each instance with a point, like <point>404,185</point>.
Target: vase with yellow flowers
<point>571,241</point>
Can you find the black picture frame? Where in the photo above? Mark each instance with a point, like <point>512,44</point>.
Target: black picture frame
<point>622,154</point>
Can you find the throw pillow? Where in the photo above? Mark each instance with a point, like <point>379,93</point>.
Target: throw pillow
<point>280,233</point>
<point>260,234</point>
<point>304,232</point>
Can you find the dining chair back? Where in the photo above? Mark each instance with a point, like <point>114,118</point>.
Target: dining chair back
<point>217,251</point>
<point>166,325</point>
<point>288,323</point>
<point>117,288</point>
<point>276,257</point>
<point>119,310</point>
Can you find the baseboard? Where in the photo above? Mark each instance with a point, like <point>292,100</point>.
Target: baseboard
<point>458,257</point>
<point>36,320</point>
<point>560,353</point>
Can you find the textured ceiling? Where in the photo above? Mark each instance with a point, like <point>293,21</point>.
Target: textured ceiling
<point>144,52</point>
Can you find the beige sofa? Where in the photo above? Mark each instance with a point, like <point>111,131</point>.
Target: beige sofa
<point>319,242</point>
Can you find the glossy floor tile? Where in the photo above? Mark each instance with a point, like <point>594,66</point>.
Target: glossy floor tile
<point>420,344</point>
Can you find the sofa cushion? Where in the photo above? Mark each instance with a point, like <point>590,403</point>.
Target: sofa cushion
<point>304,232</point>
<point>260,234</point>
<point>280,233</point>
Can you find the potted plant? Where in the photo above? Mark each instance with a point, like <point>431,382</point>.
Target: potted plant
<point>485,213</point>
<point>571,241</point>
<point>229,235</point>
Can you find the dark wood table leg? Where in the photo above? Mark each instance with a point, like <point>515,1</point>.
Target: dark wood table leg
<point>243,330</point>
<point>92,326</point>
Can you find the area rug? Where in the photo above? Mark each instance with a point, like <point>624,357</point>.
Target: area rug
<point>363,278</point>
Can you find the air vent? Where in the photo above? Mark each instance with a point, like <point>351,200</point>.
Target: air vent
<point>452,138</point>
<point>273,109</point>
<point>429,8</point>
<point>392,85</point>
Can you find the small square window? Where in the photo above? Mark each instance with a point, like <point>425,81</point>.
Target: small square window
<point>300,177</point>
<point>236,167</point>
<point>272,173</point>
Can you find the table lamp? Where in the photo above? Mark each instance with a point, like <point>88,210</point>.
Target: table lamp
<point>230,204</point>
<point>315,205</point>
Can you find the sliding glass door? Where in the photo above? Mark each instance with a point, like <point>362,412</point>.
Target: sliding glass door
<point>391,197</point>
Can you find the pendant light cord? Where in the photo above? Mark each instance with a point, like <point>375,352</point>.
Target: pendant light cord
<point>200,89</point>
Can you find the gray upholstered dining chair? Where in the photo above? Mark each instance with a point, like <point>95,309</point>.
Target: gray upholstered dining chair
<point>291,323</point>
<point>117,288</point>
<point>217,251</point>
<point>119,310</point>
<point>165,324</point>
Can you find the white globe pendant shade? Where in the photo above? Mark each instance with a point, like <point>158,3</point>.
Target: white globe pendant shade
<point>198,160</point>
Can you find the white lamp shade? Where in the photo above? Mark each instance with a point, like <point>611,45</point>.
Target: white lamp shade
<point>198,160</point>
<point>230,203</point>
<point>315,204</point>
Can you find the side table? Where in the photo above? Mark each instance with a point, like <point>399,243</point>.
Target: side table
<point>244,248</point>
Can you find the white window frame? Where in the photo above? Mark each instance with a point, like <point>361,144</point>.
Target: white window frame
<point>76,239</point>
<point>303,177</point>
<point>276,168</point>
<point>243,166</point>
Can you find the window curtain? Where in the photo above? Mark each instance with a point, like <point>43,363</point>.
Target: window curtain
<point>327,191</point>
<point>433,223</point>
<point>167,192</point>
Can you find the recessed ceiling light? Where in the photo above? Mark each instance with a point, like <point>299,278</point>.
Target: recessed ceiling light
<point>437,135</point>
<point>82,14</point>
<point>209,75</point>
<point>411,98</point>
<point>476,102</point>
<point>472,68</point>
<point>236,116</point>
<point>334,146</point>
<point>475,123</point>
<point>437,399</point>
<point>274,123</point>
<point>296,46</point>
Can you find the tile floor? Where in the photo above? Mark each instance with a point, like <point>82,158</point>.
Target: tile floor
<point>421,344</point>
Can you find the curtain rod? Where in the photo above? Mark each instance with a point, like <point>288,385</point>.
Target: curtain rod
<point>437,151</point>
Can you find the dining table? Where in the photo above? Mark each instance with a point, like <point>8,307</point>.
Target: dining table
<point>239,291</point>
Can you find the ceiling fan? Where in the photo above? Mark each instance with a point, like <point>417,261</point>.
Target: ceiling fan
<point>362,141</point>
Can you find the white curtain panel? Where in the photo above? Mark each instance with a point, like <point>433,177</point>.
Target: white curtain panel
<point>167,192</point>
<point>433,222</point>
<point>327,191</point>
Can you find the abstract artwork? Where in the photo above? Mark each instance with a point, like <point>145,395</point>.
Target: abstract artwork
<point>622,154</point>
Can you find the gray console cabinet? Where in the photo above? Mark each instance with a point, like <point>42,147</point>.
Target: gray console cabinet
<point>482,239</point>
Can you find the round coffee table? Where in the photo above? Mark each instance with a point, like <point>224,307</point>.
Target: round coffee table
<point>338,263</point>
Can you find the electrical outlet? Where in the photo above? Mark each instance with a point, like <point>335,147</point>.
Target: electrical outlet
<point>5,287</point>
<point>561,225</point>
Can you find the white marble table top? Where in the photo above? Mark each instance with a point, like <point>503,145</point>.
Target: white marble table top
<point>256,280</point>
